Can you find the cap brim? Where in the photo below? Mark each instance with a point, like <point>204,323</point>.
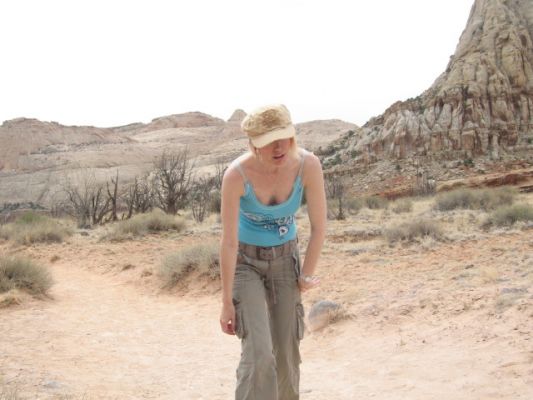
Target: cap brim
<point>269,137</point>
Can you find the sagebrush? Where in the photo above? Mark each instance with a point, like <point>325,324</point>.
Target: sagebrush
<point>142,224</point>
<point>509,215</point>
<point>24,274</point>
<point>475,199</point>
<point>410,231</point>
<point>203,258</point>
<point>31,228</point>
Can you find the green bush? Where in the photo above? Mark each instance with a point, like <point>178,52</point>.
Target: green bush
<point>376,203</point>
<point>475,199</point>
<point>203,258</point>
<point>22,273</point>
<point>468,162</point>
<point>412,230</point>
<point>402,205</point>
<point>508,215</point>
<point>142,224</point>
<point>31,228</point>
<point>353,205</point>
<point>30,217</point>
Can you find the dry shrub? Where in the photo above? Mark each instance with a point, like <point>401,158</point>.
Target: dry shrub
<point>402,206</point>
<point>142,224</point>
<point>376,203</point>
<point>413,230</point>
<point>31,228</point>
<point>353,205</point>
<point>338,209</point>
<point>203,258</point>
<point>475,199</point>
<point>9,394</point>
<point>11,298</point>
<point>22,273</point>
<point>508,215</point>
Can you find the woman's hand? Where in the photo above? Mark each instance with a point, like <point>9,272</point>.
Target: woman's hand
<point>306,282</point>
<point>227,319</point>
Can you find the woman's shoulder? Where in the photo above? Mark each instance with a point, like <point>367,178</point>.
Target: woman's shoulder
<point>310,159</point>
<point>312,167</point>
<point>234,174</point>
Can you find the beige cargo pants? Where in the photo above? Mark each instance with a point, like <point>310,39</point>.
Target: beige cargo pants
<point>269,322</point>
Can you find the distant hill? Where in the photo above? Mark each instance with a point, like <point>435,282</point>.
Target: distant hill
<point>36,157</point>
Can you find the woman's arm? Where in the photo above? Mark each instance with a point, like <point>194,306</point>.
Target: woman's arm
<point>232,190</point>
<point>317,211</point>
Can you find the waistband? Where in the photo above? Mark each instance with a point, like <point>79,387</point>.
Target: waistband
<point>268,253</point>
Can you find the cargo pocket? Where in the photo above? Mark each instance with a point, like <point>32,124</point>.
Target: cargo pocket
<point>296,258</point>
<point>300,323</point>
<point>239,321</point>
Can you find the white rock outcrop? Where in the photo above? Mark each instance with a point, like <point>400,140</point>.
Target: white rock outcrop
<point>481,105</point>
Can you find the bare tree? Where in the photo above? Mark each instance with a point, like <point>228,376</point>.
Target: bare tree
<point>139,196</point>
<point>145,195</point>
<point>130,198</point>
<point>113,198</point>
<point>173,179</point>
<point>220,169</point>
<point>200,197</point>
<point>336,191</point>
<point>84,198</point>
<point>100,205</point>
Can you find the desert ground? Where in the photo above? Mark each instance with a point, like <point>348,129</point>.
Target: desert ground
<point>430,319</point>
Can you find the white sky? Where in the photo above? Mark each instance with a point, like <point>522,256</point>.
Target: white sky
<point>114,62</point>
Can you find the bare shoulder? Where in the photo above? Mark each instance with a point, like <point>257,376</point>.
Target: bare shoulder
<point>312,168</point>
<point>233,181</point>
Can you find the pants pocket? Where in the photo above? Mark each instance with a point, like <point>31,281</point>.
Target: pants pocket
<point>296,258</point>
<point>239,320</point>
<point>300,322</point>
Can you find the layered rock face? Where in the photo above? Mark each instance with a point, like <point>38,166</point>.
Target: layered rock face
<point>481,105</point>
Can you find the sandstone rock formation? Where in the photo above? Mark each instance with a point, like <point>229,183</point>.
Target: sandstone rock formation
<point>37,157</point>
<point>233,125</point>
<point>481,105</point>
<point>24,136</point>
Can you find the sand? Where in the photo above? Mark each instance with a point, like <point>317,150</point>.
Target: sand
<point>435,320</point>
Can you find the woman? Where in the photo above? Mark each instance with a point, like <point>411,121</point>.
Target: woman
<point>260,266</point>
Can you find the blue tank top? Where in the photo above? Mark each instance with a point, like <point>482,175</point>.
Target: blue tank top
<point>266,226</point>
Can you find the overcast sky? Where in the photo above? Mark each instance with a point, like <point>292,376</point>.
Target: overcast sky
<point>114,62</point>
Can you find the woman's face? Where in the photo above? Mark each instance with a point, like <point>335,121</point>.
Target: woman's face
<point>275,153</point>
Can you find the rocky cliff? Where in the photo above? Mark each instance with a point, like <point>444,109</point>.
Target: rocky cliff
<point>481,105</point>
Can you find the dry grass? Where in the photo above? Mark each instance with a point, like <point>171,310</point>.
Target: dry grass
<point>203,258</point>
<point>402,206</point>
<point>410,231</point>
<point>35,228</point>
<point>376,203</point>
<point>475,199</point>
<point>12,297</point>
<point>142,224</point>
<point>22,273</point>
<point>9,394</point>
<point>509,215</point>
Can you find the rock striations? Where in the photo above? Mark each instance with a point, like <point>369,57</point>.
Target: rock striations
<point>481,105</point>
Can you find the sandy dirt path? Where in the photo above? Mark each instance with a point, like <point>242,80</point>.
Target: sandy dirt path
<point>424,324</point>
<point>108,341</point>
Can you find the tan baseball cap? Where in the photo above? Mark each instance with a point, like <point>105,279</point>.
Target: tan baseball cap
<point>268,124</point>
